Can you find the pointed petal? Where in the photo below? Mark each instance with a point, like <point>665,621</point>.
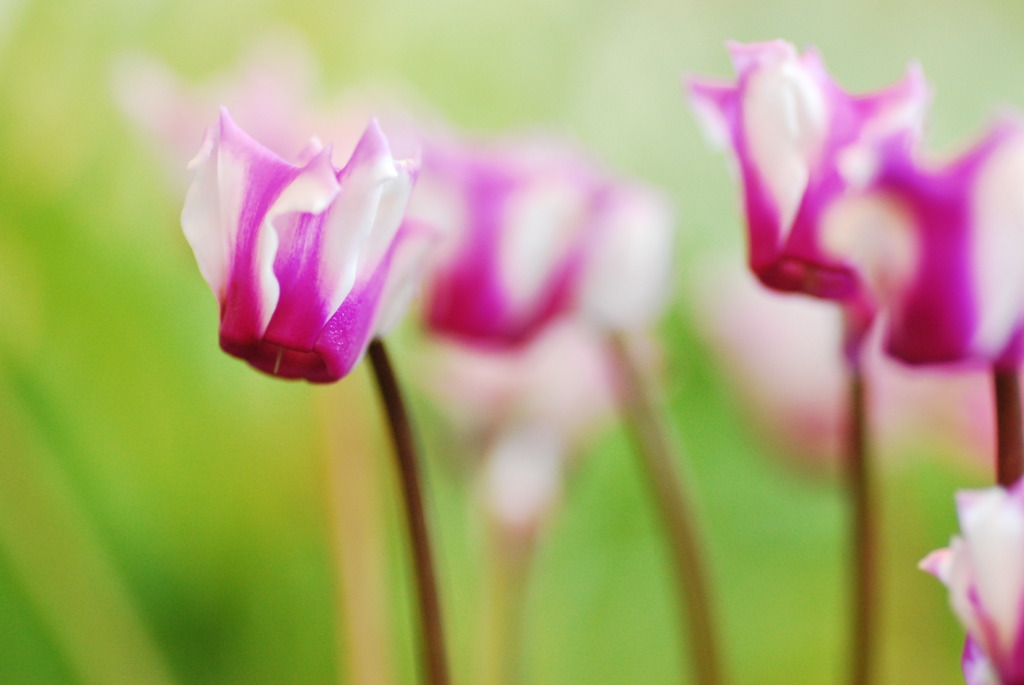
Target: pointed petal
<point>354,213</point>
<point>200,218</point>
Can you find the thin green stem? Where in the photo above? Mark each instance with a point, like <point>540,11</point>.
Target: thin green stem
<point>406,457</point>
<point>863,537</point>
<point>1009,440</point>
<point>658,459</point>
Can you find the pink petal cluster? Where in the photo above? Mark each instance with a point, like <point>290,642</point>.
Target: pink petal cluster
<point>948,268</point>
<point>789,124</point>
<point>536,233</point>
<point>527,410</point>
<point>984,570</point>
<point>308,262</point>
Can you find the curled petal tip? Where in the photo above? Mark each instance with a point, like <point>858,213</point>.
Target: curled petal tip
<point>205,150</point>
<point>936,563</point>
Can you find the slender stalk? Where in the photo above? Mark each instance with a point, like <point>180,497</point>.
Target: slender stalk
<point>863,537</point>
<point>504,608</point>
<point>1009,441</point>
<point>355,496</point>
<point>657,458</point>
<point>431,628</point>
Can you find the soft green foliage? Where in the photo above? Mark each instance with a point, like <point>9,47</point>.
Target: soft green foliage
<point>163,512</point>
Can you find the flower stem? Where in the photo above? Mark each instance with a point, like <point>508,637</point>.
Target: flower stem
<point>863,538</point>
<point>432,634</point>
<point>1009,441</point>
<point>504,608</point>
<point>355,488</point>
<point>657,458</point>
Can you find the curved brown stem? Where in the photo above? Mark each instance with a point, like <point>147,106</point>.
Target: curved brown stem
<point>863,538</point>
<point>431,628</point>
<point>657,458</point>
<point>1009,440</point>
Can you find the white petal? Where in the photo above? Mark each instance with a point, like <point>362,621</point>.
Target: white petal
<point>523,475</point>
<point>997,250</point>
<point>542,221</point>
<point>354,212</point>
<point>200,218</point>
<point>878,236</point>
<point>629,267</point>
<point>394,201</point>
<point>784,118</point>
<point>993,534</point>
<point>405,275</point>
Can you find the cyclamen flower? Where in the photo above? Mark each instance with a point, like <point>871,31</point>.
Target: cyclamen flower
<point>534,234</point>
<point>788,123</point>
<point>308,262</point>
<point>984,571</point>
<point>949,266</point>
<point>527,411</point>
<point>782,357</point>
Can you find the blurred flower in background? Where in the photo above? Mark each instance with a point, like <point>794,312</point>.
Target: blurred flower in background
<point>781,356</point>
<point>984,570</point>
<point>274,93</point>
<point>523,413</point>
<point>535,232</point>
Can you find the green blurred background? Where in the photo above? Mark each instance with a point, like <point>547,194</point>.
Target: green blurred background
<point>164,510</point>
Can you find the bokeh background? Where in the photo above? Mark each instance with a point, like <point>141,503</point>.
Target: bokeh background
<point>167,515</point>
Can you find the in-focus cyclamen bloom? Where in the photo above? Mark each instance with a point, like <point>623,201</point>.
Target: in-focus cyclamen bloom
<point>984,571</point>
<point>308,262</point>
<point>788,123</point>
<point>949,268</point>
<point>535,233</point>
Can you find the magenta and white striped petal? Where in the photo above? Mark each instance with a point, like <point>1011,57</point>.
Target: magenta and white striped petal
<point>956,291</point>
<point>297,255</point>
<point>239,189</point>
<point>788,123</point>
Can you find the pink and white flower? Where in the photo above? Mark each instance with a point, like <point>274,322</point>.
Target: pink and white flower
<point>781,356</point>
<point>789,124</point>
<point>536,233</point>
<point>308,262</point>
<point>526,411</point>
<point>949,269</point>
<point>984,570</point>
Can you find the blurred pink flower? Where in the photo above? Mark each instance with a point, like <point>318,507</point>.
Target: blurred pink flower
<point>943,248</point>
<point>788,124</point>
<point>782,356</point>
<point>534,233</point>
<point>307,262</point>
<point>273,92</point>
<point>527,410</point>
<point>984,570</point>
